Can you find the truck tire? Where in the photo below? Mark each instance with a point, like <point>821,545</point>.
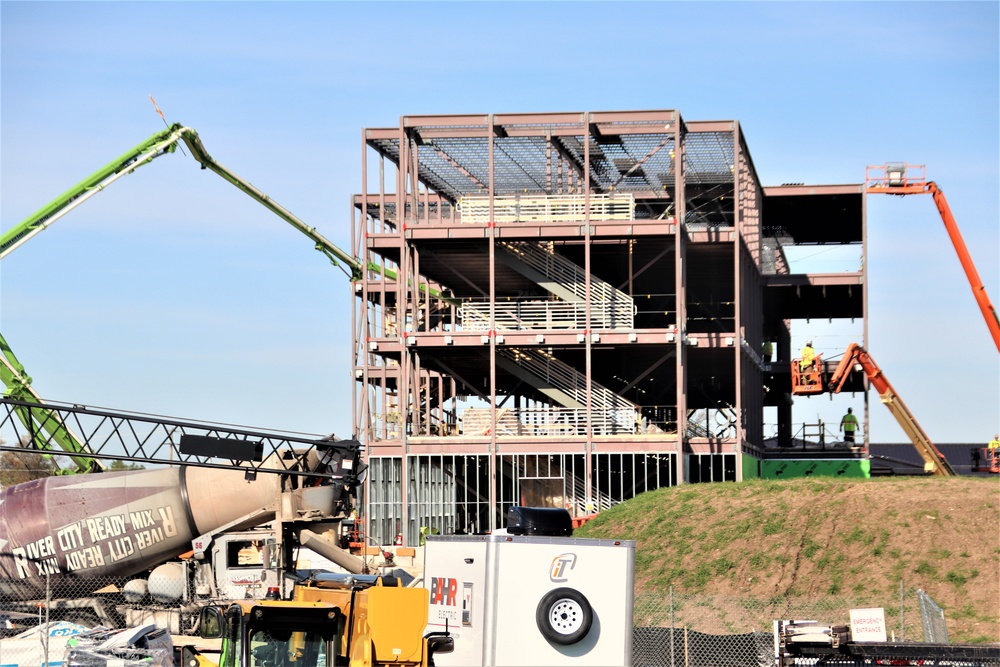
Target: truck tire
<point>564,616</point>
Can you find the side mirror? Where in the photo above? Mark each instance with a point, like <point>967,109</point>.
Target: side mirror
<point>439,642</point>
<point>210,622</point>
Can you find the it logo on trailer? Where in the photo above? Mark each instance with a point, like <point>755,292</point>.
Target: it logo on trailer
<point>561,566</point>
<point>444,590</point>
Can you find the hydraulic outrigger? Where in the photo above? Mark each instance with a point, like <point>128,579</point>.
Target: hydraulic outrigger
<point>17,382</point>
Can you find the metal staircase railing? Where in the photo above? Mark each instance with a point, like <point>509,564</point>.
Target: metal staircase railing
<point>561,376</point>
<point>610,307</point>
<point>548,422</point>
<point>557,267</point>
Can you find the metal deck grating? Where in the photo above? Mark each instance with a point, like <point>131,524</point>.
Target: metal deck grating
<point>708,157</point>
<point>641,163</point>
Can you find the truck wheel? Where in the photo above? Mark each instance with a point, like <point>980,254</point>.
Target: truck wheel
<point>564,616</point>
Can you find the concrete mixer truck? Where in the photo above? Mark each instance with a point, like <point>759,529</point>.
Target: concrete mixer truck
<point>104,547</point>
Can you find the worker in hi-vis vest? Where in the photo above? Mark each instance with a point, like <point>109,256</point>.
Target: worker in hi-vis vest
<point>808,357</point>
<point>807,364</point>
<point>849,424</point>
<point>993,452</point>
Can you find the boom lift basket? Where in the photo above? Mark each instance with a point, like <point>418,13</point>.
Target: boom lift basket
<point>987,461</point>
<point>808,381</point>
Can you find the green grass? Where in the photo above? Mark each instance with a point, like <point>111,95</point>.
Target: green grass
<point>819,539</point>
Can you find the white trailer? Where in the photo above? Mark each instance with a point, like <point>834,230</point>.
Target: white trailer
<point>512,600</point>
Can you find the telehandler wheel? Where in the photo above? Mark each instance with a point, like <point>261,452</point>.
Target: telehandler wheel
<point>564,616</point>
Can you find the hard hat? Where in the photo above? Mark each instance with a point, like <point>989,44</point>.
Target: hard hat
<point>809,343</point>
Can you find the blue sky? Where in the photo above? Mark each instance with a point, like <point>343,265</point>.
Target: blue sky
<point>175,294</point>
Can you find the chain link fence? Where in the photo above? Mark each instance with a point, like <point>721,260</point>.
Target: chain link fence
<point>722,615</point>
<point>676,629</point>
<point>672,628</point>
<point>935,628</point>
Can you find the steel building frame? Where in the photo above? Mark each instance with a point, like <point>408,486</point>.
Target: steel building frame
<point>582,292</point>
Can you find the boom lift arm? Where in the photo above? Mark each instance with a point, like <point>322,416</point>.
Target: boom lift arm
<point>897,178</point>
<point>934,460</point>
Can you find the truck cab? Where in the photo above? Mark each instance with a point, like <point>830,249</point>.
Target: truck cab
<point>270,633</point>
<point>333,620</point>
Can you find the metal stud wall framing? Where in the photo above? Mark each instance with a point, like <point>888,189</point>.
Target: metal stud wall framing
<point>450,493</point>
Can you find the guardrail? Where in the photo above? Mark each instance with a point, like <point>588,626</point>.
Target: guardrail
<point>554,422</point>
<point>542,315</point>
<point>555,208</point>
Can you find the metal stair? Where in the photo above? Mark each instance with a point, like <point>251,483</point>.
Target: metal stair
<point>566,386</point>
<point>610,308</point>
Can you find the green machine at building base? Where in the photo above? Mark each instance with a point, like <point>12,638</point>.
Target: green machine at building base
<point>793,468</point>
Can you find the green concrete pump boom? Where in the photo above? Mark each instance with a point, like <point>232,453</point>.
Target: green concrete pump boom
<point>41,422</point>
<point>155,146</point>
<point>16,381</point>
<point>335,254</point>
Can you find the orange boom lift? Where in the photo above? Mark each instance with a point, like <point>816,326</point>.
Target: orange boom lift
<point>898,178</point>
<point>934,460</point>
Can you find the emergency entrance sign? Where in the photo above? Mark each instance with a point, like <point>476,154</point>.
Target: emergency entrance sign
<point>868,625</point>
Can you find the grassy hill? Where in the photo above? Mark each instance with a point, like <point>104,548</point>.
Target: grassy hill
<point>814,539</point>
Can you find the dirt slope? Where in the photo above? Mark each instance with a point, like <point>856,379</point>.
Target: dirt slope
<point>816,538</point>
